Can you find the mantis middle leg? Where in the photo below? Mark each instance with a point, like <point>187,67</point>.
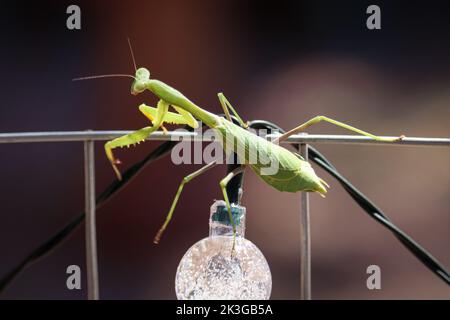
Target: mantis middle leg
<point>223,186</point>
<point>185,180</point>
<point>225,105</point>
<point>335,122</point>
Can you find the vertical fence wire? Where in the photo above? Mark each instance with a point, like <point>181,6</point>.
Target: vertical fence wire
<point>91,234</point>
<point>305,239</point>
<point>89,137</point>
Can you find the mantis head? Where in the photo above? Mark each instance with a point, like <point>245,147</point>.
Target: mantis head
<point>141,80</point>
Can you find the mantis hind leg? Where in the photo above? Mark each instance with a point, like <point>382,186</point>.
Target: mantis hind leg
<point>336,123</point>
<point>185,180</point>
<point>223,186</point>
<point>225,105</point>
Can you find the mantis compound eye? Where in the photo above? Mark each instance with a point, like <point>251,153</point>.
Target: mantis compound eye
<point>142,74</point>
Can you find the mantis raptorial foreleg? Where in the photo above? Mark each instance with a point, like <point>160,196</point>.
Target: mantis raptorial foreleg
<point>225,105</point>
<point>182,117</point>
<point>223,186</point>
<point>185,180</point>
<point>157,116</point>
<point>152,114</point>
<point>186,118</point>
<point>136,136</point>
<point>125,141</point>
<point>335,122</point>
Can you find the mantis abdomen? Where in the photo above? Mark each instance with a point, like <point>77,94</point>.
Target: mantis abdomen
<point>277,166</point>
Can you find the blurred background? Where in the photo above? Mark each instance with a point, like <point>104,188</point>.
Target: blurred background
<point>284,61</point>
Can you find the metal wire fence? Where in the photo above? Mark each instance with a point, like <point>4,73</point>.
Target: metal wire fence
<point>88,137</point>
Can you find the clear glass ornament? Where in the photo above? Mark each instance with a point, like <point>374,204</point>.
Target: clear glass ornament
<point>210,270</point>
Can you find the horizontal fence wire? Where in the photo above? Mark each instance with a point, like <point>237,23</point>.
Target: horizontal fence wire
<point>67,136</point>
<point>88,136</point>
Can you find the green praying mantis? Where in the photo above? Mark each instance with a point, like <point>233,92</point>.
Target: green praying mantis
<point>293,172</point>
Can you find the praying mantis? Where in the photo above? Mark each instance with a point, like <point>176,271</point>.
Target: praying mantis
<point>293,172</point>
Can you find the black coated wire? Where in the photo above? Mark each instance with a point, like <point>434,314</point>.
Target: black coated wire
<point>368,206</point>
<point>234,186</point>
<point>110,191</point>
<point>163,149</point>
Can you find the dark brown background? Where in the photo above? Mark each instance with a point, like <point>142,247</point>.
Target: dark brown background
<point>284,61</point>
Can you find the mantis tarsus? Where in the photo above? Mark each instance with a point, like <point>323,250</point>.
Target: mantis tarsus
<point>294,173</point>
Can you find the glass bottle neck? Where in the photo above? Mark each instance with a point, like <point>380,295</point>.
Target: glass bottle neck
<point>219,220</point>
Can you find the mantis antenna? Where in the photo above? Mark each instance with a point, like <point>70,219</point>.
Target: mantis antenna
<point>104,76</point>
<point>132,54</point>
<point>113,75</point>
